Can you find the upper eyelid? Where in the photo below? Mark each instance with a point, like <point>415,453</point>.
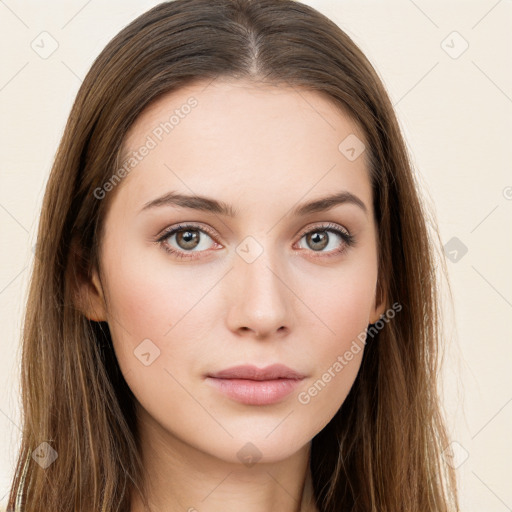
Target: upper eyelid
<point>326,226</point>
<point>182,226</point>
<point>210,231</point>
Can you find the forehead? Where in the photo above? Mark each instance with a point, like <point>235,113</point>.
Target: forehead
<point>238,139</point>
<point>229,100</point>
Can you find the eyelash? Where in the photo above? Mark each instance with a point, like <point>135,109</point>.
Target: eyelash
<point>348,239</point>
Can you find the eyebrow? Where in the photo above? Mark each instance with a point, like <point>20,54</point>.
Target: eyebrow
<point>208,204</point>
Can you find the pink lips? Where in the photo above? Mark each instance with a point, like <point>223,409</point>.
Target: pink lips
<point>253,386</point>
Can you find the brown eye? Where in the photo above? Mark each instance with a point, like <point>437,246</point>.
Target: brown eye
<point>330,236</point>
<point>187,239</point>
<point>317,240</point>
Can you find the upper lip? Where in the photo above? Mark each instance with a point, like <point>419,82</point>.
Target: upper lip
<point>250,372</point>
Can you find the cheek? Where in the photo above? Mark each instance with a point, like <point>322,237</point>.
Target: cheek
<point>158,324</point>
<point>341,312</point>
<point>346,308</point>
<point>340,301</point>
<point>158,314</point>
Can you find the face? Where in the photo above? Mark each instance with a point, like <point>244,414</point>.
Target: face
<point>248,277</point>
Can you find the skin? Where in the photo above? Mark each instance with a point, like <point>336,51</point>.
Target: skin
<point>262,149</point>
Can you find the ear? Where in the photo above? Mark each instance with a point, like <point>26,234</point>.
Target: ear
<point>92,299</point>
<point>89,294</point>
<point>379,304</point>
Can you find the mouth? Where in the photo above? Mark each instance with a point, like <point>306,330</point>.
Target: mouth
<point>250,372</point>
<point>253,386</point>
<point>255,392</point>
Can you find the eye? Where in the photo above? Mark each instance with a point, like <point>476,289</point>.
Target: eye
<point>191,239</point>
<point>188,237</point>
<point>329,235</point>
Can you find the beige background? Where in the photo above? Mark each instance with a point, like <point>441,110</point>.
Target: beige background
<point>455,108</point>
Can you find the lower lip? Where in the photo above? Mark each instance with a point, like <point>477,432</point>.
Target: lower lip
<point>255,392</point>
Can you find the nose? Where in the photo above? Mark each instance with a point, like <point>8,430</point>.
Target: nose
<point>259,298</point>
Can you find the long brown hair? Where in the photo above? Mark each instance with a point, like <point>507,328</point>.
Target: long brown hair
<point>382,450</point>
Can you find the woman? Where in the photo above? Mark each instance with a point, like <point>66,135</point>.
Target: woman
<point>234,300</point>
